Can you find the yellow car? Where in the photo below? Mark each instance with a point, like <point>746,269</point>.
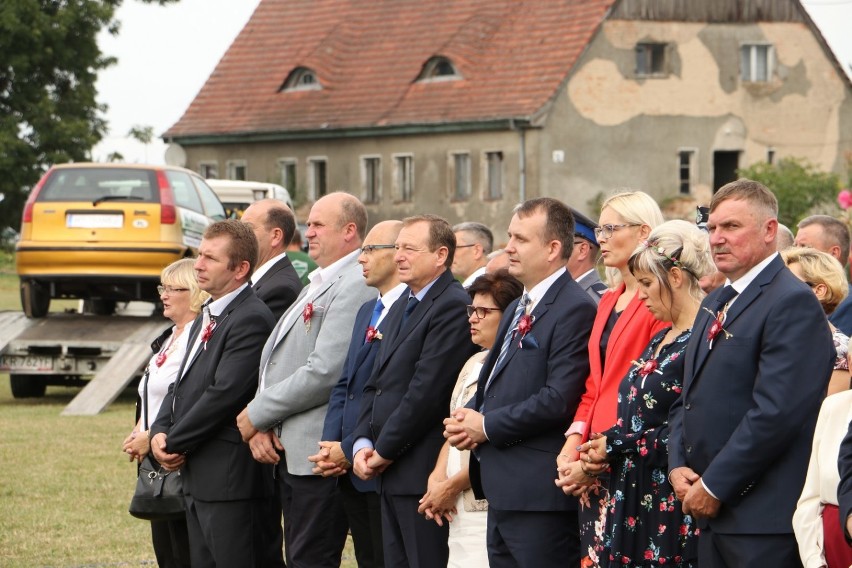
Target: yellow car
<point>104,232</point>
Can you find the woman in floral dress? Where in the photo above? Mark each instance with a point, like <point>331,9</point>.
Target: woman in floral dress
<point>645,525</point>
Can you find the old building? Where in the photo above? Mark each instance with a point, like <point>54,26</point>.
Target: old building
<point>465,107</point>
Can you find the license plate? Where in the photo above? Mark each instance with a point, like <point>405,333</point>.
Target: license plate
<point>26,363</point>
<point>86,221</point>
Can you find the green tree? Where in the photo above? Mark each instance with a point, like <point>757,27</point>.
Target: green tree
<point>798,185</point>
<point>49,61</point>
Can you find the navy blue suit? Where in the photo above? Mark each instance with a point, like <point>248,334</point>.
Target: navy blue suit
<point>527,406</point>
<point>841,317</point>
<point>746,417</point>
<point>402,412</point>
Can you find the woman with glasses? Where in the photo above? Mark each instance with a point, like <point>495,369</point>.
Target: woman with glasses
<point>622,328</point>
<point>448,496</point>
<point>182,300</point>
<point>645,525</point>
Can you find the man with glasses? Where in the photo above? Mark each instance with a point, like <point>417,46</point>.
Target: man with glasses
<point>301,362</point>
<point>398,435</point>
<point>583,260</point>
<point>360,497</point>
<point>474,242</point>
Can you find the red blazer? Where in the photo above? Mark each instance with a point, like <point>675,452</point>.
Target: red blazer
<point>632,331</point>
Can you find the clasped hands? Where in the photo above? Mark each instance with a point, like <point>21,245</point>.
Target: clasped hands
<point>368,463</point>
<point>264,445</point>
<point>694,498</point>
<point>170,462</point>
<point>464,430</point>
<point>577,471</point>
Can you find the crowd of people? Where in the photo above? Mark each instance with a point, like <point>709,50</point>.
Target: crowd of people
<point>448,404</point>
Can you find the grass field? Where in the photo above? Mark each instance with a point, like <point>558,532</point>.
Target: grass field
<point>64,482</point>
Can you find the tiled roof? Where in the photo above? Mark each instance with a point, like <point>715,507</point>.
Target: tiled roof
<point>512,55</point>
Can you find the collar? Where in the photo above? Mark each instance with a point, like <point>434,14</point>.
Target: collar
<point>321,275</point>
<point>539,290</point>
<point>476,274</point>
<point>216,307</point>
<point>743,281</point>
<point>392,295</point>
<point>261,270</point>
<point>422,293</point>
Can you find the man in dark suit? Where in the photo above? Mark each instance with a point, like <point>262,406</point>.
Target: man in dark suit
<point>196,429</point>
<point>274,280</point>
<point>399,428</point>
<point>844,490</point>
<point>756,371</point>
<point>360,498</point>
<point>531,381</point>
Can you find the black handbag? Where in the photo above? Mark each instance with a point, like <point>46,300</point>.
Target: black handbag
<point>159,493</point>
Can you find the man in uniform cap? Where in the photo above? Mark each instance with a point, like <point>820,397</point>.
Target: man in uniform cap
<point>584,257</point>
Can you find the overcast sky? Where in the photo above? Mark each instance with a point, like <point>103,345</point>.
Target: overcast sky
<point>166,53</point>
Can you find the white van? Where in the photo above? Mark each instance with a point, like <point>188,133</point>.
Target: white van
<point>237,195</point>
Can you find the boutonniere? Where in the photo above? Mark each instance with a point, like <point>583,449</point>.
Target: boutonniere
<point>208,333</point>
<point>716,326</point>
<point>373,334</point>
<point>524,326</point>
<point>307,314</point>
<point>645,368</point>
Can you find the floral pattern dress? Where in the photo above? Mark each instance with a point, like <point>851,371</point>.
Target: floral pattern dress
<point>645,525</point>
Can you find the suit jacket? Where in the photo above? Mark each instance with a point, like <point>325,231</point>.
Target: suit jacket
<point>841,317</point>
<point>408,394</point>
<point>746,417</point>
<point>279,287</point>
<point>199,412</point>
<point>591,283</point>
<point>530,395</point>
<point>345,401</point>
<point>629,336</point>
<point>304,365</point>
<point>844,490</point>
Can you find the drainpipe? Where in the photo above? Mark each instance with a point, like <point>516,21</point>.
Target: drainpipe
<point>522,159</point>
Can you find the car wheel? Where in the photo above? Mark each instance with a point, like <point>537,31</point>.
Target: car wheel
<point>35,299</point>
<point>99,307</point>
<point>28,386</point>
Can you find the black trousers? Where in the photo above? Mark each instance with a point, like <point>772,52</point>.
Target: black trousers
<point>410,541</point>
<point>315,524</point>
<point>226,534</point>
<point>171,543</point>
<point>747,551</point>
<point>364,513</point>
<point>533,539</point>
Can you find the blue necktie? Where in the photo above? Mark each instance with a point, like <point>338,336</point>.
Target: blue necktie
<point>726,295</point>
<point>412,303</point>
<point>507,339</point>
<point>374,319</point>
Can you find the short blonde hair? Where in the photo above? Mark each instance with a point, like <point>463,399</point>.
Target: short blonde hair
<point>634,207</point>
<point>820,268</point>
<point>182,273</point>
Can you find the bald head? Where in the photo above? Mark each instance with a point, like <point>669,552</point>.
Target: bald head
<point>273,224</point>
<point>377,254</point>
<point>336,226</point>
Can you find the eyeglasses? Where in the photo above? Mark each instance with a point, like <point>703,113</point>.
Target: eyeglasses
<point>465,246</point>
<point>480,311</point>
<point>367,249</point>
<point>606,231</point>
<point>170,290</point>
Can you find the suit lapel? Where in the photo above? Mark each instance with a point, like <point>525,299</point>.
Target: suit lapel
<point>362,324</point>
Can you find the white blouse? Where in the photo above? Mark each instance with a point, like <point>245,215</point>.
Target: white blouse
<point>823,477</point>
<point>161,377</point>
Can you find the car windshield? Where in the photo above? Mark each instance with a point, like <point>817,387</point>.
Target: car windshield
<point>97,185</point>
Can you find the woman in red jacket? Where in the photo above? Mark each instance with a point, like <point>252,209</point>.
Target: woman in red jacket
<point>623,327</point>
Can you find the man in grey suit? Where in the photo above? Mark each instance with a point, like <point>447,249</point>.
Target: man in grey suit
<point>584,257</point>
<point>300,363</point>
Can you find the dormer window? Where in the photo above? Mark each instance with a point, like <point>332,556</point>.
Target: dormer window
<point>301,79</point>
<point>438,68</point>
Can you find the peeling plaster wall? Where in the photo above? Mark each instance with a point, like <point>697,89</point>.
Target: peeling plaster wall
<point>618,130</point>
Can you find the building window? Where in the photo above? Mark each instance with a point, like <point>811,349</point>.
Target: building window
<point>288,174</point>
<point>651,59</point>
<point>756,62</point>
<point>438,68</point>
<point>371,178</point>
<point>770,155</point>
<point>460,172</point>
<point>494,163</point>
<point>237,169</point>
<point>686,169</point>
<point>403,177</point>
<point>209,170</point>
<point>317,178</point>
<point>301,79</point>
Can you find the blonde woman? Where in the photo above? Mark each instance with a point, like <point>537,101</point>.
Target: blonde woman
<point>824,275</point>
<point>182,300</point>
<point>623,326</point>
